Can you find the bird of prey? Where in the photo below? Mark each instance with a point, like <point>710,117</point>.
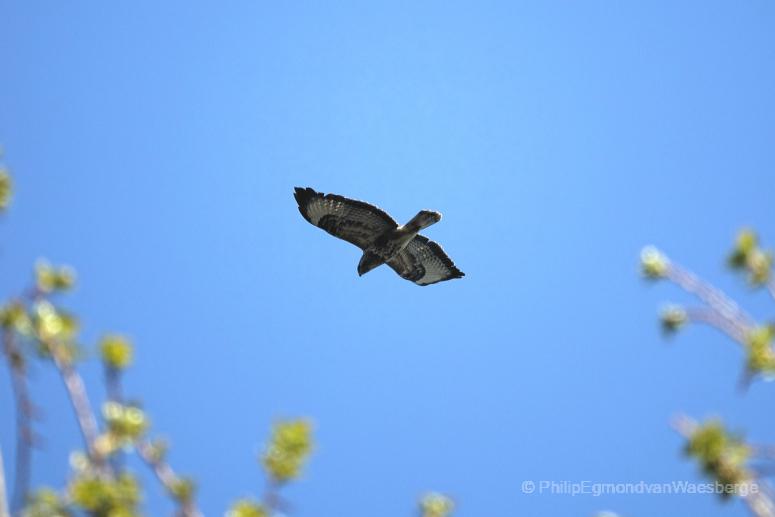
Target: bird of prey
<point>383,241</point>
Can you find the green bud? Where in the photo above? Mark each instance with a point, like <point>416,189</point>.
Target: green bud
<point>673,318</point>
<point>157,449</point>
<point>49,278</point>
<point>13,316</point>
<point>288,449</point>
<point>50,323</point>
<point>721,455</point>
<point>747,241</point>
<point>116,352</point>
<point>653,263</point>
<point>105,496</point>
<point>759,267</point>
<point>183,489</point>
<point>106,444</point>
<point>45,502</point>
<point>708,442</point>
<point>748,256</point>
<point>126,423</point>
<point>247,508</point>
<point>80,462</point>
<point>436,505</point>
<point>761,356</point>
<point>5,189</point>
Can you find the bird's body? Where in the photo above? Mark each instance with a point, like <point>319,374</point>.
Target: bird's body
<point>413,256</point>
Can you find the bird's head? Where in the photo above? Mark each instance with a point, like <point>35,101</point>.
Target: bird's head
<point>368,262</point>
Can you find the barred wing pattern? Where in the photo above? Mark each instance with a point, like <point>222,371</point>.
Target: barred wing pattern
<point>355,221</point>
<point>424,262</point>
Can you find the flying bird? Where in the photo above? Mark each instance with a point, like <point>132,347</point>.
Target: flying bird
<point>383,241</point>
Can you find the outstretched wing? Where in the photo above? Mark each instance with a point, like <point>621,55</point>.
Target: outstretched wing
<point>423,262</point>
<point>354,221</point>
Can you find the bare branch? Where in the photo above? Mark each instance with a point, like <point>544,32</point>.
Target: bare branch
<point>114,393</point>
<point>166,476</point>
<point>3,498</point>
<point>763,451</point>
<point>711,317</point>
<point>113,385</point>
<point>161,469</point>
<point>759,502</point>
<point>725,308</point>
<point>79,400</point>
<point>683,425</point>
<point>24,414</point>
<point>273,501</point>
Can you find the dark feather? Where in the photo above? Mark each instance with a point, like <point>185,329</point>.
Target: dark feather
<point>355,221</point>
<point>424,262</point>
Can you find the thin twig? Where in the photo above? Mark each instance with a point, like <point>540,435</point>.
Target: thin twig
<point>706,292</point>
<point>24,414</point>
<point>166,477</point>
<point>711,295</point>
<point>113,385</point>
<point>273,501</point>
<point>714,319</point>
<point>24,440</point>
<point>79,400</point>
<point>4,512</point>
<point>684,425</point>
<point>759,501</point>
<point>271,495</point>
<point>763,451</point>
<point>114,392</point>
<point>161,469</point>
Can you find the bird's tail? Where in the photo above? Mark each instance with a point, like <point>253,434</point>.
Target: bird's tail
<point>423,219</point>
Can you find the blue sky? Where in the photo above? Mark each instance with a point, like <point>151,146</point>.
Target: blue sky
<point>155,149</point>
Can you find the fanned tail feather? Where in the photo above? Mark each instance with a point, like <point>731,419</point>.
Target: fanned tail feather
<point>423,219</point>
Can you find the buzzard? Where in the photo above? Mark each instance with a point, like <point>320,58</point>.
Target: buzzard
<point>411,255</point>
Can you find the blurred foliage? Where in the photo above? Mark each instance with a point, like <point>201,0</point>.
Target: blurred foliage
<point>748,257</point>
<point>672,318</point>
<point>653,263</point>
<point>247,508</point>
<point>49,279</point>
<point>721,454</point>
<point>45,502</point>
<point>288,448</point>
<point>14,317</point>
<point>156,450</point>
<point>5,188</point>
<point>182,489</point>
<point>761,357</point>
<point>50,323</point>
<point>106,497</point>
<point>116,352</point>
<point>126,423</point>
<point>724,456</point>
<point>100,485</point>
<point>436,505</point>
